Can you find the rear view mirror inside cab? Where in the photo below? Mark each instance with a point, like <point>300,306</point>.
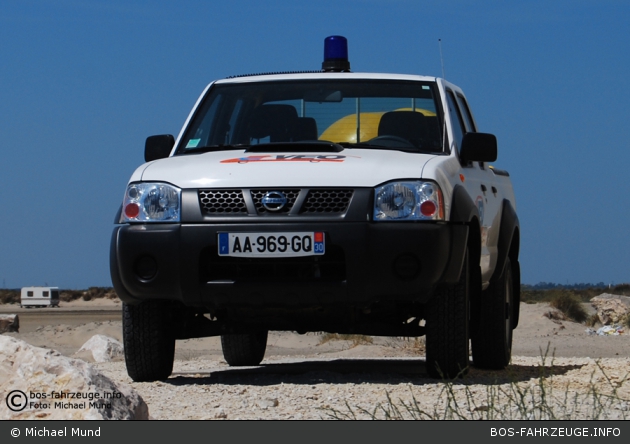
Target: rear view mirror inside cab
<point>321,96</point>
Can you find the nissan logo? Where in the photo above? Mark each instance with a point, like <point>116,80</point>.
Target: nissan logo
<point>274,201</point>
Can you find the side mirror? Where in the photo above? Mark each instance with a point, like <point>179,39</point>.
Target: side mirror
<point>478,147</point>
<point>158,147</point>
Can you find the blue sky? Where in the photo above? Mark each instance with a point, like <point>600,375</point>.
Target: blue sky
<point>83,83</point>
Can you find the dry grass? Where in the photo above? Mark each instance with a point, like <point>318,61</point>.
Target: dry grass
<point>355,339</point>
<point>87,295</point>
<point>412,346</point>
<point>593,320</point>
<point>524,400</point>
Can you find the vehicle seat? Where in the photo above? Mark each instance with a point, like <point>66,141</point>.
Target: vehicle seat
<point>307,128</point>
<point>278,122</point>
<point>434,134</point>
<point>409,125</point>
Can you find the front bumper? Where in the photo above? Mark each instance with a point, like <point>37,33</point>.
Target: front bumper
<point>365,263</point>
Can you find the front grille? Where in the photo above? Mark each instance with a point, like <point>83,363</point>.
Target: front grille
<point>291,196</point>
<point>333,202</point>
<point>330,267</point>
<point>327,201</point>
<point>222,202</point>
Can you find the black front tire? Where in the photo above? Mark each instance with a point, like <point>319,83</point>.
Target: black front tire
<point>148,340</point>
<point>492,340</point>
<point>447,328</point>
<point>244,349</point>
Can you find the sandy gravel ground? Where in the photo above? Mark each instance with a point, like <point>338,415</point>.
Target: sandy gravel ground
<point>303,378</point>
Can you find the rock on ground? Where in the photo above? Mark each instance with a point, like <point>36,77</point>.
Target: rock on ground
<point>9,323</point>
<point>101,348</point>
<point>43,384</point>
<point>611,309</point>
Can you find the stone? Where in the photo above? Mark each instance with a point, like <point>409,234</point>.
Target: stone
<point>9,323</point>
<point>555,315</point>
<point>101,348</point>
<point>611,309</point>
<point>267,403</point>
<point>39,383</point>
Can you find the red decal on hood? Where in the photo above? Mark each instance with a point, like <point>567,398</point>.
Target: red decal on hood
<point>287,158</point>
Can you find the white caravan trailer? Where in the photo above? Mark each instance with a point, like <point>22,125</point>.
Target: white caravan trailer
<point>40,297</point>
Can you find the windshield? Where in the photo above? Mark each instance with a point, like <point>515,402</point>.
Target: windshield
<point>383,114</point>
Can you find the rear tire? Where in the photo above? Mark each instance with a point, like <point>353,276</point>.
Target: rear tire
<point>447,328</point>
<point>148,340</point>
<point>492,340</point>
<point>244,349</point>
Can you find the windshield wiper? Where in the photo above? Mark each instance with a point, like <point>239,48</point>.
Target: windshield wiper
<point>377,146</point>
<point>303,146</point>
<point>209,148</point>
<point>360,145</point>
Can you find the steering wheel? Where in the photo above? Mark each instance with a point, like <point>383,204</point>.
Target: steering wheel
<point>390,141</point>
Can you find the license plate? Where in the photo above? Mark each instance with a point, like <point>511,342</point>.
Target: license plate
<point>271,244</point>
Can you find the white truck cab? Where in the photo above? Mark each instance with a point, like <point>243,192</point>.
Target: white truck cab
<point>320,201</point>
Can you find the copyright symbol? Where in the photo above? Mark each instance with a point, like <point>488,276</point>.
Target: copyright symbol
<point>15,433</point>
<point>16,401</point>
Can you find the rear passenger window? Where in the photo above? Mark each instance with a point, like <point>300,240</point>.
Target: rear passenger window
<point>468,120</point>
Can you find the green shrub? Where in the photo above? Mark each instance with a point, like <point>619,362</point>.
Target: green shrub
<point>570,305</point>
<point>621,289</point>
<point>532,295</point>
<point>70,295</point>
<point>9,296</point>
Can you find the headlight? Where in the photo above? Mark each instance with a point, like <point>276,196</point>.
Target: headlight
<point>151,202</point>
<point>408,201</point>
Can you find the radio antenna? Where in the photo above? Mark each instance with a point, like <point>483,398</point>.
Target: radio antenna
<point>442,59</point>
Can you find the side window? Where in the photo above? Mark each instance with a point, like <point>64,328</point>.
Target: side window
<point>456,119</point>
<point>470,124</point>
<point>468,120</point>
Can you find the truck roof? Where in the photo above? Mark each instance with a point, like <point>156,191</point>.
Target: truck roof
<point>246,78</point>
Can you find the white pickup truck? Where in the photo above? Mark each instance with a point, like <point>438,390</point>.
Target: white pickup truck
<point>320,201</point>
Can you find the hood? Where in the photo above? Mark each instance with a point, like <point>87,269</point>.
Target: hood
<point>238,169</point>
